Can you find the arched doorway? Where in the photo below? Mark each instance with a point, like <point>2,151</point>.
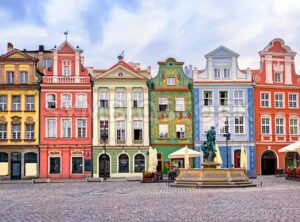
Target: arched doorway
<point>15,166</point>
<point>104,166</point>
<point>123,163</point>
<point>268,163</point>
<point>30,164</point>
<point>139,163</point>
<point>292,159</point>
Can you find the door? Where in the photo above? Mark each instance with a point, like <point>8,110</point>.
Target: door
<point>15,166</point>
<point>104,166</point>
<point>237,158</point>
<point>268,163</point>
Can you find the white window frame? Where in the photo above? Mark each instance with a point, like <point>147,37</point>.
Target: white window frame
<point>22,75</point>
<point>217,73</point>
<point>121,129</point>
<point>31,133</point>
<point>66,63</point>
<point>293,126</point>
<point>71,167</point>
<point>138,97</point>
<point>3,104</point>
<point>104,95</point>
<point>209,99</point>
<point>16,135</point>
<point>239,101</point>
<point>161,102</point>
<point>85,127</point>
<point>266,125</point>
<point>62,128</point>
<point>29,104</point>
<point>226,75</point>
<point>102,129</point>
<point>64,104</point>
<point>280,76</point>
<point>280,125</point>
<point>178,106</point>
<point>181,129</point>
<point>226,99</point>
<point>120,101</point>
<point>10,77</point>
<point>16,106</point>
<point>171,81</point>
<point>239,125</point>
<point>295,101</point>
<point>46,62</point>
<point>278,101</point>
<point>83,103</point>
<point>54,131</point>
<point>60,169</point>
<point>3,133</point>
<point>263,101</point>
<point>161,127</point>
<point>137,125</point>
<point>47,100</point>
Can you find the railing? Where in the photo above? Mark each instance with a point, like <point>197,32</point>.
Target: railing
<point>66,80</point>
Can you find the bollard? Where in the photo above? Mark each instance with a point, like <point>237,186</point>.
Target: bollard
<point>261,183</point>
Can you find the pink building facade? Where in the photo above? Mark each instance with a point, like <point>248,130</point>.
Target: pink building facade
<point>66,116</point>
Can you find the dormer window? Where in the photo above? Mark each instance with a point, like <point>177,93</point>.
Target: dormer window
<point>217,73</point>
<point>171,81</point>
<point>278,77</point>
<point>66,68</point>
<point>226,73</point>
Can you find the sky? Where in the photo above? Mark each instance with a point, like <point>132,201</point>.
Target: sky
<point>152,30</point>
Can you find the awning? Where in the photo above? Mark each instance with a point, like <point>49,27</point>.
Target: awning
<point>180,153</point>
<point>294,147</point>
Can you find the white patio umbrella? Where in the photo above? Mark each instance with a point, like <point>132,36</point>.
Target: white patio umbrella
<point>155,160</point>
<point>151,158</point>
<point>294,147</point>
<point>243,158</point>
<point>186,158</point>
<point>218,157</point>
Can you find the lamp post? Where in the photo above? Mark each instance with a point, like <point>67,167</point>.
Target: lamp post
<point>104,138</point>
<point>227,136</point>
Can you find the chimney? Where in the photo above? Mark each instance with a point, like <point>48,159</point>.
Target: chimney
<point>10,47</point>
<point>41,47</point>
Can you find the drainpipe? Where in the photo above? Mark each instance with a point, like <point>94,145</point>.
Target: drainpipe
<point>92,122</point>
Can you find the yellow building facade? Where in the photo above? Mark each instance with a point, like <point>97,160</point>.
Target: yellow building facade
<point>19,115</point>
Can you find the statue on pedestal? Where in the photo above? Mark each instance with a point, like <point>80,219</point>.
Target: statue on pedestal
<point>208,147</point>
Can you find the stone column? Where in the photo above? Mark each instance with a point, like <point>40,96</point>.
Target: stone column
<point>55,65</point>
<point>269,71</point>
<point>112,122</point>
<point>2,73</point>
<point>146,119</point>
<point>96,136</point>
<point>77,66</point>
<point>129,116</point>
<point>288,70</point>
<point>17,77</point>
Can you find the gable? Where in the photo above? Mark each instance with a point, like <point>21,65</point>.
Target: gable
<point>16,55</point>
<point>120,72</point>
<point>66,48</point>
<point>222,51</point>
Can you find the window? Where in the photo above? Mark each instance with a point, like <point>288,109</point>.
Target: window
<point>238,97</point>
<point>81,101</point>
<point>3,157</point>
<point>294,126</point>
<point>217,73</point>
<point>226,73</point>
<point>77,165</point>
<point>180,104</point>
<point>66,128</point>
<point>123,163</point>
<point>223,98</point>
<point>16,103</point>
<point>121,130</point>
<point>239,127</point>
<point>103,96</point>
<point>29,103</point>
<point>208,122</point>
<point>104,130</point>
<point>139,163</point>
<point>81,128</point>
<point>3,131</point>
<point>66,68</point>
<point>3,103</point>
<point>10,77</point>
<point>138,130</point>
<point>207,95</point>
<point>54,165</point>
<point>293,100</point>
<point>163,131</point>
<point>24,77</point>
<point>279,100</point>
<point>163,104</point>
<point>180,131</point>
<point>51,128</point>
<point>16,133</point>
<point>278,77</point>
<point>171,82</point>
<point>279,126</point>
<point>265,99</point>
<point>120,99</point>
<point>30,131</point>
<point>137,99</point>
<point>47,63</point>
<point>51,101</point>
<point>66,101</point>
<point>223,124</point>
<point>265,125</point>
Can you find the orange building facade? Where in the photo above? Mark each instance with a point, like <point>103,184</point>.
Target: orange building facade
<point>276,97</point>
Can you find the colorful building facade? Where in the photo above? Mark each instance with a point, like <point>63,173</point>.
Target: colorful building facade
<point>19,115</point>
<point>66,116</point>
<point>171,112</point>
<point>223,98</point>
<point>276,93</point>
<point>121,126</point>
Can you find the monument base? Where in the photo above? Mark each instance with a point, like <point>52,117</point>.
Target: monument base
<point>210,177</point>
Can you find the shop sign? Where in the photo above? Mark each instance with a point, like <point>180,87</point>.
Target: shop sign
<point>77,152</point>
<point>54,153</point>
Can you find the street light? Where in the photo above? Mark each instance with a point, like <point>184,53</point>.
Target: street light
<point>104,138</point>
<point>227,136</point>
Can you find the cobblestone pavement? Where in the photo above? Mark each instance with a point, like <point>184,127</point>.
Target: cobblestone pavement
<point>276,200</point>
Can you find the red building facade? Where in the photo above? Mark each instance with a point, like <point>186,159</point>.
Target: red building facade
<point>66,116</point>
<point>276,97</point>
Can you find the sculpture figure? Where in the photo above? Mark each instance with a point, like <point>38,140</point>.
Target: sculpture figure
<point>208,147</point>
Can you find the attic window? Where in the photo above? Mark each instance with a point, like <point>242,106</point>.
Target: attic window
<point>170,63</point>
<point>66,68</point>
<point>120,75</point>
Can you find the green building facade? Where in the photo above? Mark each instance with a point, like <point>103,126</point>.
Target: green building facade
<point>171,112</point>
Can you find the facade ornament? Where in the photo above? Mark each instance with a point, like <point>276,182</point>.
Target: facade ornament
<point>178,77</point>
<point>278,67</point>
<point>29,120</point>
<point>162,117</point>
<point>163,77</point>
<point>189,116</point>
<point>180,116</point>
<point>3,120</point>
<point>16,120</point>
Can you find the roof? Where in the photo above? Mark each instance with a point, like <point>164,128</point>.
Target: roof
<point>222,51</point>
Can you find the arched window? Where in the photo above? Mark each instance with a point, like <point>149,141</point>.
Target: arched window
<point>3,157</point>
<point>123,163</point>
<point>139,163</point>
<point>30,157</point>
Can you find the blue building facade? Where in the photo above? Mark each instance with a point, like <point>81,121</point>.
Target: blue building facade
<point>223,98</point>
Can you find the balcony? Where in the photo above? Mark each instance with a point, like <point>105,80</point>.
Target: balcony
<point>66,80</point>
